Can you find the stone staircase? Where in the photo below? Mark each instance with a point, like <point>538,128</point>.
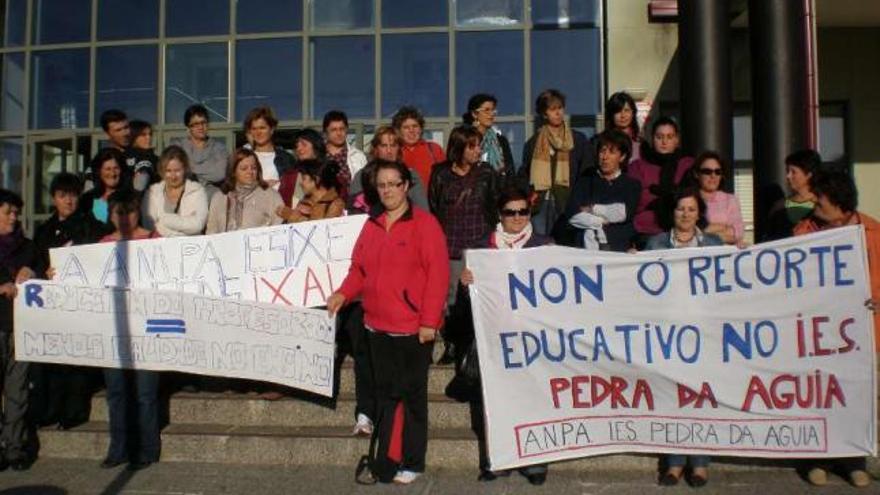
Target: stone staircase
<point>244,429</point>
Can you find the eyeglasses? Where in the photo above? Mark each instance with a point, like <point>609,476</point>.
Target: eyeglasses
<point>198,123</point>
<point>388,185</point>
<point>487,110</point>
<point>509,213</point>
<point>711,171</point>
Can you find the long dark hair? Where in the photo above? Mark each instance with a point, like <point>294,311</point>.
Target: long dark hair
<point>324,173</point>
<point>614,105</point>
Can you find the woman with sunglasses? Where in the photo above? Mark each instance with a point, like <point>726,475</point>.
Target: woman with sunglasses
<point>722,208</point>
<point>514,231</point>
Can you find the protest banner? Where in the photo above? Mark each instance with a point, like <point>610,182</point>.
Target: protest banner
<point>174,331</point>
<point>760,352</point>
<point>297,264</point>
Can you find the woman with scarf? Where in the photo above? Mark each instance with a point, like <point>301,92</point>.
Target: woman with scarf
<point>603,203</point>
<point>514,231</point>
<point>16,252</point>
<point>320,185</point>
<point>660,170</point>
<point>245,200</point>
<point>688,220</point>
<point>480,113</point>
<point>553,160</point>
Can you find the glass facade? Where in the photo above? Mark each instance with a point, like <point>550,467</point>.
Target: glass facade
<point>63,62</point>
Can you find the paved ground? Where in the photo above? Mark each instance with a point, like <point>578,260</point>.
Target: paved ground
<point>62,477</point>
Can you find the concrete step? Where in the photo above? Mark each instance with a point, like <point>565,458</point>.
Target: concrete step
<point>236,410</point>
<point>438,377</point>
<point>323,446</point>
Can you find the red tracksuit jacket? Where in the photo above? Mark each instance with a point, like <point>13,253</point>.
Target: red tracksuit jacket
<point>402,275</point>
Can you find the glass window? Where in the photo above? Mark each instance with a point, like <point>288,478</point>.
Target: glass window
<point>415,71</point>
<point>342,14</point>
<point>13,15</point>
<point>11,164</point>
<point>413,13</point>
<point>578,77</point>
<point>196,73</point>
<point>115,19</point>
<point>196,17</point>
<point>565,13</point>
<point>264,16</point>
<point>62,21</point>
<point>268,72</point>
<point>59,97</point>
<point>126,79</point>
<point>515,134</point>
<point>832,146</point>
<point>343,75</point>
<point>12,92</point>
<point>490,62</point>
<point>488,12</point>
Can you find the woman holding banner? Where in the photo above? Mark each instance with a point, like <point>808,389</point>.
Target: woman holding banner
<point>514,231</point>
<point>835,206</point>
<point>400,269</point>
<point>134,431</point>
<point>688,218</point>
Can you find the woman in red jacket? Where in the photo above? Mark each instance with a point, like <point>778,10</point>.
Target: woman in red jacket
<point>400,269</point>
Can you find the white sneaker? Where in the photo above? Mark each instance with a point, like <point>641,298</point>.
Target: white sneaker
<point>406,477</point>
<point>363,427</point>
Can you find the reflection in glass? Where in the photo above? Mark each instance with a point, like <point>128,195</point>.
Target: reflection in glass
<point>342,14</point>
<point>59,97</point>
<point>415,71</point>
<point>565,13</point>
<point>267,72</point>
<point>196,73</point>
<point>126,79</point>
<point>568,60</point>
<point>115,19</point>
<point>413,13</point>
<point>492,13</point>
<point>490,62</point>
<point>343,75</point>
<point>11,164</point>
<point>196,17</point>
<point>515,134</point>
<point>50,158</point>
<point>264,16</point>
<point>61,21</point>
<point>12,92</point>
<point>13,15</point>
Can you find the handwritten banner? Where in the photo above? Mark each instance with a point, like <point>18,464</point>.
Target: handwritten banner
<point>174,331</point>
<point>294,264</point>
<point>761,352</point>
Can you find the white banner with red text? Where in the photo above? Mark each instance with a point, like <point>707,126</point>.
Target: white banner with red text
<point>297,264</point>
<point>760,352</point>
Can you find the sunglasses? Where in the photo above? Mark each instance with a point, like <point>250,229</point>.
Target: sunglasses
<point>711,171</point>
<point>509,213</point>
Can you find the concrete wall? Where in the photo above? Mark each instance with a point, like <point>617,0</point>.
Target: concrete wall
<point>639,52</point>
<point>641,56</point>
<point>849,71</point>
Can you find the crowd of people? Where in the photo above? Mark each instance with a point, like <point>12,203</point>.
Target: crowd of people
<point>623,190</point>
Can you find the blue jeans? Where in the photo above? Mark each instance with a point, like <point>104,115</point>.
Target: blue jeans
<point>696,461</point>
<point>134,424</point>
